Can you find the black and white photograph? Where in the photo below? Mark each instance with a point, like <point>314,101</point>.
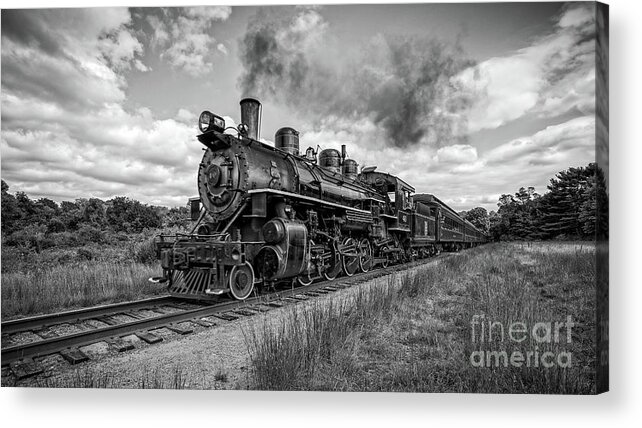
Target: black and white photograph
<point>392,198</point>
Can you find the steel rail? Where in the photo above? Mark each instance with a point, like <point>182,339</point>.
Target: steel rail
<point>41,321</point>
<point>55,344</point>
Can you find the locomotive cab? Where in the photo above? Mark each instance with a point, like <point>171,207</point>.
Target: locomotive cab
<point>399,195</point>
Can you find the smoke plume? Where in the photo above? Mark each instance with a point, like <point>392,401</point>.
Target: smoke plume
<point>404,85</point>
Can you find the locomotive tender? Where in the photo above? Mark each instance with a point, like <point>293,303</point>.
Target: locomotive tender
<point>268,215</point>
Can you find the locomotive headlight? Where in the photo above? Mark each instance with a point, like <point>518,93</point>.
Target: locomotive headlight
<point>209,121</point>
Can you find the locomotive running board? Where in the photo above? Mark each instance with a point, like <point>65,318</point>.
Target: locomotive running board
<point>307,199</point>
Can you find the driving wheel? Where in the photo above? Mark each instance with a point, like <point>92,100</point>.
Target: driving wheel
<point>384,252</point>
<point>350,258</point>
<point>332,264</point>
<point>365,255</point>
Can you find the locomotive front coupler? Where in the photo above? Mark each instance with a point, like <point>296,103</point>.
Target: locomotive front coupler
<point>160,279</point>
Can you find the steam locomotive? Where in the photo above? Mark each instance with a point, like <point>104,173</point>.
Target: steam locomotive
<point>268,215</point>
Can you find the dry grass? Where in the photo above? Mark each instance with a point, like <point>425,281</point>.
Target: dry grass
<point>292,354</point>
<point>52,288</point>
<point>417,337</point>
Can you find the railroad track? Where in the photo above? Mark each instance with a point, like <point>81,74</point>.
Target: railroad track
<point>182,318</point>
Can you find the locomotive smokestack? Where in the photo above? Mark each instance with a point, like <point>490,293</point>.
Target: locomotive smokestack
<point>343,153</point>
<point>251,116</point>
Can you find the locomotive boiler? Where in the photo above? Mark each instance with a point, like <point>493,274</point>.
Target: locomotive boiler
<point>268,215</point>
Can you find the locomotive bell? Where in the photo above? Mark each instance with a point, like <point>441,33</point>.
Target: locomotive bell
<point>251,116</point>
<point>287,139</point>
<point>330,159</point>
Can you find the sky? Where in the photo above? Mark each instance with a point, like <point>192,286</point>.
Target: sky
<point>465,101</point>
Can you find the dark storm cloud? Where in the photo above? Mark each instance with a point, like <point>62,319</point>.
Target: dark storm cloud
<point>24,32</point>
<point>29,28</point>
<point>66,57</point>
<point>403,84</point>
<point>19,74</point>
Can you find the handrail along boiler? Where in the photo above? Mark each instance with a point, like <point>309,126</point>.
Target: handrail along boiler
<point>268,214</point>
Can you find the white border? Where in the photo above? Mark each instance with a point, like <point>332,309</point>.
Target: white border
<point>622,406</point>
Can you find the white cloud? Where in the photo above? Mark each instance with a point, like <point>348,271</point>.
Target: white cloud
<point>93,153</point>
<point>184,35</point>
<point>210,13</point>
<point>229,122</point>
<point>76,83</point>
<point>307,30</point>
<point>576,17</point>
<point>73,57</point>
<point>552,76</point>
<point>460,174</point>
<point>120,47</point>
<point>186,116</point>
<point>65,130</point>
<point>138,64</point>
<point>160,33</point>
<point>579,132</point>
<point>67,134</point>
<point>457,153</point>
<point>505,89</point>
<point>222,49</point>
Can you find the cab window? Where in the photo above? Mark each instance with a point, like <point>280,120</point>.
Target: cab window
<point>392,196</point>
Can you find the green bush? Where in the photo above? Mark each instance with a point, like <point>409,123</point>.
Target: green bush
<point>145,252</point>
<point>55,225</point>
<point>89,234</point>
<point>65,239</point>
<point>30,237</point>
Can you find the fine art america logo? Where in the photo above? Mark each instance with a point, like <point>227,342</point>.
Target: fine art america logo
<point>540,343</point>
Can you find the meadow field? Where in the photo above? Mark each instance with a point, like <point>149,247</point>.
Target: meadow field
<point>65,278</point>
<point>419,331</point>
<point>425,335</point>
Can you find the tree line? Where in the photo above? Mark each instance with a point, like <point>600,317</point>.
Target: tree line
<point>45,223</point>
<point>574,207</point>
<point>569,210</point>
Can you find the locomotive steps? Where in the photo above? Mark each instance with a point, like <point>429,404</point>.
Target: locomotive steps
<point>38,347</point>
